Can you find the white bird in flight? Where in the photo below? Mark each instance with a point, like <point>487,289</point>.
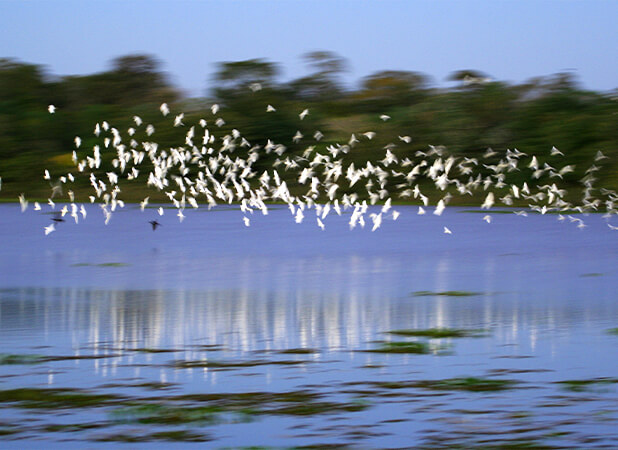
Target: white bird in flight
<point>440,207</point>
<point>555,151</point>
<point>178,120</point>
<point>23,202</point>
<point>221,176</point>
<point>369,134</point>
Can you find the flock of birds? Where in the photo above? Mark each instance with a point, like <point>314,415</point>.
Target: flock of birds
<point>223,170</point>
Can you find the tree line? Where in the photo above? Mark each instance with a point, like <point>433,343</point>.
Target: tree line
<point>475,114</point>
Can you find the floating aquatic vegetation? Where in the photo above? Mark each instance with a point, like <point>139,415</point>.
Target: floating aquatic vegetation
<point>10,359</point>
<point>298,351</point>
<point>72,428</point>
<point>591,274</point>
<point>446,293</point>
<point>612,331</point>
<point>201,409</point>
<point>472,384</point>
<point>504,444</point>
<point>467,384</point>
<point>23,359</point>
<point>168,414</point>
<point>151,385</point>
<point>402,347</point>
<point>212,364</point>
<point>208,347</point>
<point>582,385</point>
<point>155,350</point>
<point>373,366</point>
<point>109,264</point>
<point>437,333</point>
<point>8,431</point>
<point>302,403</point>
<point>41,398</point>
<point>322,407</point>
<point>172,436</point>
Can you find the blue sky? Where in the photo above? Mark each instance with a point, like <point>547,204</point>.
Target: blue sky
<point>509,40</point>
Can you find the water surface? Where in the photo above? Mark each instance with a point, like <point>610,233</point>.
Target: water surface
<point>208,330</point>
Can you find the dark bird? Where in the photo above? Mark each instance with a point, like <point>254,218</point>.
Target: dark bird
<point>58,218</point>
<point>154,224</point>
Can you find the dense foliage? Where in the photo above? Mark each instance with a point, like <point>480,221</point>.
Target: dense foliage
<point>474,114</point>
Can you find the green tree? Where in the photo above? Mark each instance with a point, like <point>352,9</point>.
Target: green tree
<point>323,84</point>
<point>392,88</point>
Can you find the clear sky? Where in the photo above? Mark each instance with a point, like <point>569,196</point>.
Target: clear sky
<point>508,40</point>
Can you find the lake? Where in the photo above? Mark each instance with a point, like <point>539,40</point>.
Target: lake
<point>280,334</point>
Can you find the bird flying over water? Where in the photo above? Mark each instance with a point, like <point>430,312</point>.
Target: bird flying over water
<point>154,224</point>
<point>320,173</point>
<point>58,217</point>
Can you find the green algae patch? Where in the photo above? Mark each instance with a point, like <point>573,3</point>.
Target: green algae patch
<point>612,331</point>
<point>108,264</point>
<point>402,347</point>
<point>53,358</point>
<point>151,386</point>
<point>583,385</point>
<point>212,364</point>
<point>445,294</point>
<point>170,436</point>
<point>211,409</point>
<point>156,350</point>
<point>298,351</point>
<point>8,431</point>
<point>168,414</point>
<point>25,359</point>
<point>438,333</point>
<point>72,428</point>
<point>312,408</point>
<point>10,359</point>
<point>56,398</point>
<point>471,384</point>
<point>179,436</point>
